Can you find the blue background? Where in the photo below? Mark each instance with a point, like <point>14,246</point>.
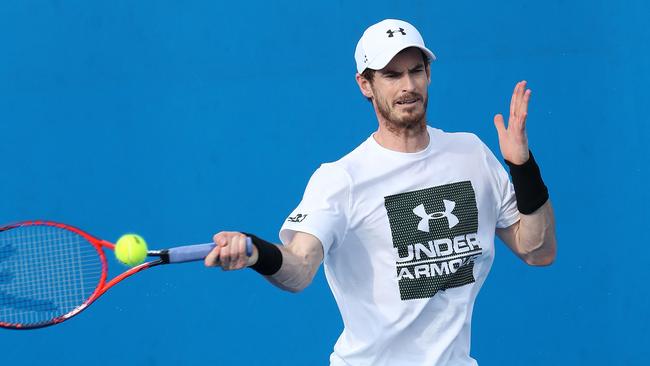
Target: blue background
<point>180,119</point>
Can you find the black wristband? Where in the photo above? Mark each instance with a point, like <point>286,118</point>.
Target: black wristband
<point>530,190</point>
<point>269,256</point>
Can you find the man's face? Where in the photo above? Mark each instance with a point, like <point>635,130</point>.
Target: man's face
<point>399,90</point>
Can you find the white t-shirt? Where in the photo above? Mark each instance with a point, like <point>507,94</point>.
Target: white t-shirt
<point>408,241</point>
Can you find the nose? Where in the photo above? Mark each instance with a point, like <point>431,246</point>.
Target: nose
<point>408,84</point>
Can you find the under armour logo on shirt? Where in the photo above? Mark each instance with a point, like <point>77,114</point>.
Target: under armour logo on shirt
<point>390,32</point>
<point>423,225</point>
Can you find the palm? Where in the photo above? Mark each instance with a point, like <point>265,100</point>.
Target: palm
<point>513,140</point>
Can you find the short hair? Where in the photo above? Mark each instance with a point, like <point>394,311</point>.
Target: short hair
<point>369,74</point>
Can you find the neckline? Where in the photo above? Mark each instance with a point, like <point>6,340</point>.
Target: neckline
<point>400,154</point>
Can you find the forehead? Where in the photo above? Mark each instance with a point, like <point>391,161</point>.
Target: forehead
<point>405,59</point>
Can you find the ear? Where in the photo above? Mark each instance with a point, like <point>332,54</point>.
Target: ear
<point>364,86</point>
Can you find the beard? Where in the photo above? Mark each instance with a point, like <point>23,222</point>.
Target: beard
<point>406,119</point>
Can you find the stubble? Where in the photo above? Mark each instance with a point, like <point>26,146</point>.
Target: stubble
<point>407,123</point>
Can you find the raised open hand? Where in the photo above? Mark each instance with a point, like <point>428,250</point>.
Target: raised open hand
<point>513,140</point>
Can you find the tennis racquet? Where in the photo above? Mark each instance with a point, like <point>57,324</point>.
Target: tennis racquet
<point>50,272</point>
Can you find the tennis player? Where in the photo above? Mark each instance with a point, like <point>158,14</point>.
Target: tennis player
<point>405,223</point>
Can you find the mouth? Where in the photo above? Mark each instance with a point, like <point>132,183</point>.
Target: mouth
<point>407,102</point>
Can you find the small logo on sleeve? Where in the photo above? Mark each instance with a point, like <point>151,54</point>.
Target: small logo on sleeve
<point>297,218</point>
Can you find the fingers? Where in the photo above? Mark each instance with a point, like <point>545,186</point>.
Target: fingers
<point>523,95</point>
<point>238,254</point>
<point>234,257</point>
<point>522,107</point>
<point>229,252</point>
<point>514,101</point>
<point>519,105</point>
<point>523,114</point>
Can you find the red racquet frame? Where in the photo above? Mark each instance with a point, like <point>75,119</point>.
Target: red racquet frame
<point>102,286</point>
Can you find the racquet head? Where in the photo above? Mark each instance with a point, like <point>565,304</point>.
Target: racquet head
<point>48,273</point>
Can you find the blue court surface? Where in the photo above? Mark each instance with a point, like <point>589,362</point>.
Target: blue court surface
<point>177,120</point>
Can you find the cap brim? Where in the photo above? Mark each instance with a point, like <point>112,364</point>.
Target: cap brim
<point>384,58</point>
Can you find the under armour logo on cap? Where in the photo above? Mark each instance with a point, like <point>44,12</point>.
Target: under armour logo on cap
<point>423,225</point>
<point>391,32</point>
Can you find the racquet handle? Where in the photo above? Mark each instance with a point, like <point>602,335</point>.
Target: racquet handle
<point>198,252</point>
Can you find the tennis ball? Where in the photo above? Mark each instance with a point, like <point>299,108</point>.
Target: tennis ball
<point>131,249</point>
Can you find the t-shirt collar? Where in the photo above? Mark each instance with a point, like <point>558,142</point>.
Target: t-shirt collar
<point>403,155</point>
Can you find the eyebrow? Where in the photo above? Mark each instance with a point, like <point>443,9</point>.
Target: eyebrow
<point>393,72</point>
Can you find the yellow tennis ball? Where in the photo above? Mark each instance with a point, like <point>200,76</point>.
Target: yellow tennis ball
<point>131,249</point>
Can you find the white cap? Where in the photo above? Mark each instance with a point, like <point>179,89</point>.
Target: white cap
<point>382,41</point>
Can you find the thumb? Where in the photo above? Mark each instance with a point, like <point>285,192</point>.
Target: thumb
<point>499,124</point>
<point>212,259</point>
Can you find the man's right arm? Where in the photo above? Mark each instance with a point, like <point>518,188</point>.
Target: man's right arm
<point>300,258</point>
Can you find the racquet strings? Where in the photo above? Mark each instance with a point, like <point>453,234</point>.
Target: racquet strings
<point>45,272</point>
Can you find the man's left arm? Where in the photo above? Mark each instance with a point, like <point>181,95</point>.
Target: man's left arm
<point>533,237</point>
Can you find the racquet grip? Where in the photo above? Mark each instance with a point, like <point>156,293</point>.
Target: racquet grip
<point>198,252</point>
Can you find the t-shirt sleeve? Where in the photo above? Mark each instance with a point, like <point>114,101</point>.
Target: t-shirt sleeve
<point>508,213</point>
<point>323,210</point>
